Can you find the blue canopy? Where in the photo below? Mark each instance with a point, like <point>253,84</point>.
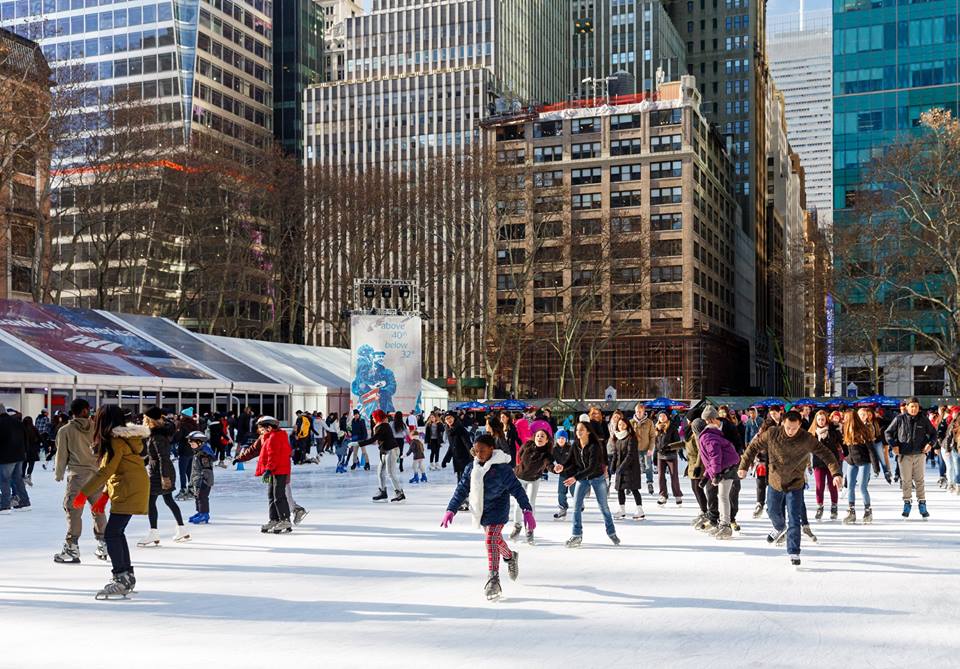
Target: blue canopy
<point>471,406</point>
<point>771,402</point>
<point>806,402</point>
<point>665,403</point>
<point>878,400</point>
<point>509,405</point>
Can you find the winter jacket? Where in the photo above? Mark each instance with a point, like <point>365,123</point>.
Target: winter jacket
<point>646,433</point>
<point>858,455</point>
<point>586,463</point>
<point>125,477</point>
<point>498,485</point>
<point>717,453</point>
<point>751,427</point>
<point>628,463</point>
<point>910,434</point>
<point>75,449</point>
<point>32,443</point>
<point>664,440</point>
<point>458,448</point>
<point>434,434</point>
<point>186,426</point>
<point>201,471</point>
<point>415,449</point>
<point>561,455</point>
<point>787,457</point>
<point>13,439</point>
<point>358,429</point>
<point>158,458</point>
<point>274,453</point>
<point>532,461</point>
<point>832,442</point>
<point>383,435</point>
<point>732,434</point>
<point>694,466</point>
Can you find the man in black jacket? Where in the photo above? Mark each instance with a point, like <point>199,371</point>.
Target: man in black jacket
<point>13,453</point>
<point>912,436</point>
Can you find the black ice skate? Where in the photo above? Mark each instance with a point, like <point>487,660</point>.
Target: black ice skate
<point>492,588</point>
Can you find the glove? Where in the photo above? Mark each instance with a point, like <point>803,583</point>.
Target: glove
<point>529,521</point>
<point>79,500</point>
<point>166,484</point>
<point>267,477</point>
<point>101,504</point>
<point>715,482</point>
<point>447,519</point>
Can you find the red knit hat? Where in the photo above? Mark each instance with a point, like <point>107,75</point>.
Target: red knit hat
<point>379,416</point>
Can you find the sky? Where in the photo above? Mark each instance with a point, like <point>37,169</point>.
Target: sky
<point>775,7</point>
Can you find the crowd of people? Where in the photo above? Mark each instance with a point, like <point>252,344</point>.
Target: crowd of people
<point>500,459</point>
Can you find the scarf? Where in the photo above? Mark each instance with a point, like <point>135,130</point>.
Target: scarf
<point>476,483</point>
<point>621,435</point>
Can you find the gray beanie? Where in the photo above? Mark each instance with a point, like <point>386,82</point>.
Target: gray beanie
<point>710,413</point>
<point>698,425</point>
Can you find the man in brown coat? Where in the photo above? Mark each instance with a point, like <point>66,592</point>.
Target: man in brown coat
<point>788,450</point>
<point>75,458</point>
<point>646,440</point>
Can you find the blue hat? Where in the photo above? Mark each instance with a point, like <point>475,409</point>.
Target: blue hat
<point>561,433</point>
<point>188,412</point>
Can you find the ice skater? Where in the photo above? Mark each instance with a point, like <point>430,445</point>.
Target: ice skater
<point>488,482</point>
<point>533,459</point>
<point>201,476</point>
<point>274,466</point>
<point>416,450</point>
<point>252,451</point>
<point>389,457</point>
<point>162,477</point>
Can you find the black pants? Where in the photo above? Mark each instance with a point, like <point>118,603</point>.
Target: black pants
<point>622,496</point>
<point>710,493</point>
<point>434,453</point>
<point>670,464</point>
<point>116,541</point>
<point>761,490</point>
<point>735,499</point>
<point>221,452</point>
<point>28,468</point>
<point>699,494</point>
<point>171,504</point>
<point>203,499</point>
<point>277,496</point>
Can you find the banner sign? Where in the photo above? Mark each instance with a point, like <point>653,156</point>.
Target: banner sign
<point>88,343</point>
<point>385,356</point>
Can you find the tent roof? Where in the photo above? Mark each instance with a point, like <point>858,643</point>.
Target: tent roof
<point>292,364</point>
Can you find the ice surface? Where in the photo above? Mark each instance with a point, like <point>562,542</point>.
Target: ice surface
<point>363,585</point>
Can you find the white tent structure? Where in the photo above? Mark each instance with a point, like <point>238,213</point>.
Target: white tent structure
<point>51,354</point>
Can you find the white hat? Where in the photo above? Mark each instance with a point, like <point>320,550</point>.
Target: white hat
<point>584,418</point>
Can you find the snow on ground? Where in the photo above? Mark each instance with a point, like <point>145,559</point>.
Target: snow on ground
<point>361,585</point>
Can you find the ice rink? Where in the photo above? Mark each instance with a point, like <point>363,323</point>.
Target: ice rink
<point>360,584</point>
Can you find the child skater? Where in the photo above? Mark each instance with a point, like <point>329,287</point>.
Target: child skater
<point>489,482</point>
<point>416,450</point>
<point>201,476</point>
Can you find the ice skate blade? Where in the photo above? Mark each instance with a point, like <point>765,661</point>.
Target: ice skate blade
<point>103,597</point>
<point>148,544</point>
<point>77,561</point>
<point>182,540</point>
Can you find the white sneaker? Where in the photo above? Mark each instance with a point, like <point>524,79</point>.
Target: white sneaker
<point>152,539</point>
<point>182,536</point>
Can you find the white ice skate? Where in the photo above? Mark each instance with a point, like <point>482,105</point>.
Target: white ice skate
<point>152,539</point>
<point>101,552</point>
<point>182,536</point>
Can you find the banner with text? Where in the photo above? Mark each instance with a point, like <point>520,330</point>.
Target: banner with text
<point>385,356</point>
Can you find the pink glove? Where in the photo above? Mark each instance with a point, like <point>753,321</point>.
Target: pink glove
<point>447,519</point>
<point>529,521</point>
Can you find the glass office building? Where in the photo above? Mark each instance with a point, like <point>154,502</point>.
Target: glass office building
<point>892,60</point>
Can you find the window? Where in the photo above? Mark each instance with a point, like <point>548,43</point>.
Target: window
<point>626,198</point>
<point>506,282</point>
<point>666,195</point>
<point>548,129</point>
<point>508,306</point>
<point>668,274</point>
<point>509,132</point>
<point>665,143</point>
<point>586,150</point>
<point>586,201</point>
<point>673,168</point>
<point>587,226</point>
<point>548,254</point>
<point>581,126</point>
<point>21,279</point>
<point>627,275</point>
<point>547,204</point>
<point>547,305</point>
<point>583,277</point>
<point>627,301</point>
<point>928,380</point>
<point>626,224</point>
<point>625,121</point>
<point>666,248</point>
<point>548,179</point>
<point>623,147</point>
<point>512,156</point>
<point>626,172</point>
<point>512,231</point>
<point>660,222</point>
<point>862,377</point>
<point>547,154</point>
<point>667,300</point>
<point>588,175</point>
<point>665,117</point>
<point>548,280</point>
<point>510,256</point>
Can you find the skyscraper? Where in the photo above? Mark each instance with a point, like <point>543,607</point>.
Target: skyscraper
<point>802,67</point>
<point>892,62</point>
<point>297,63</point>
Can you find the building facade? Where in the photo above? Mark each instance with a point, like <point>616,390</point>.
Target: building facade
<point>297,63</point>
<point>892,62</point>
<point>24,166</point>
<point>801,64</point>
<point>617,47</point>
<point>417,78</point>
<point>614,251</point>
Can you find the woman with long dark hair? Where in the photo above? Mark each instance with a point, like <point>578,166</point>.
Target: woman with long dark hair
<point>495,430</point>
<point>119,449</point>
<point>511,434</point>
<point>434,436</point>
<point>162,477</point>
<point>585,469</point>
<point>401,433</point>
<point>829,436</point>
<point>858,440</point>
<point>33,449</point>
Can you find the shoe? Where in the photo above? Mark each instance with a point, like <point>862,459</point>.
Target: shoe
<point>639,515</point>
<point>867,515</point>
<point>758,510</point>
<point>415,479</point>
<point>222,465</point>
<point>615,539</point>
<point>699,519</point>
<point>516,530</point>
<point>922,506</point>
<point>29,480</point>
<point>268,527</point>
<point>194,517</point>
<point>353,466</point>
<point>182,536</point>
<point>679,501</point>
<point>180,496</point>
<point>851,517</point>
<point>121,585</point>
<point>620,515</point>
<point>69,554</point>
<point>101,551</point>
<point>795,560</point>
<point>22,508</point>
<point>423,478</point>
<point>819,514</point>
<point>834,512</point>
<point>560,514</point>
<point>941,482</point>
<point>661,500</point>
<point>513,565</point>
<point>649,488</point>
<point>906,509</point>
<point>339,470</point>
<point>952,488</point>
<point>204,519</point>
<point>492,588</point>
<point>381,496</point>
<point>735,526</point>
<point>574,542</point>
<point>152,539</point>
<point>774,536</point>
<point>366,467</point>
<point>398,496</point>
<point>708,526</point>
<point>530,539</point>
<point>723,532</point>
<point>299,513</point>
<point>282,526</point>
<point>886,475</point>
<point>813,537</point>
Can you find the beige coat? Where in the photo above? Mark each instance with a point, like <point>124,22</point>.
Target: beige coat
<point>74,449</point>
<point>646,433</point>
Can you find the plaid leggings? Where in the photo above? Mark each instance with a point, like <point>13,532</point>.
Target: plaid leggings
<point>496,547</point>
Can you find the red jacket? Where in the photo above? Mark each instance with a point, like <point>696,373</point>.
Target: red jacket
<point>275,455</point>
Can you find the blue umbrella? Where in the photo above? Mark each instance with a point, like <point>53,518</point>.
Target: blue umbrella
<point>665,403</point>
<point>806,402</point>
<point>509,405</point>
<point>878,400</point>
<point>471,406</point>
<point>770,402</point>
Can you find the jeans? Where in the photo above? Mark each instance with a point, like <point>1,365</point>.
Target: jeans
<point>599,486</point>
<point>12,485</point>
<point>699,494</point>
<point>952,462</point>
<point>648,466</point>
<point>880,450</point>
<point>389,465</point>
<point>202,500</point>
<point>723,498</point>
<point>863,473</point>
<point>117,547</point>
<point>184,465</point>
<point>562,493</point>
<point>793,502</point>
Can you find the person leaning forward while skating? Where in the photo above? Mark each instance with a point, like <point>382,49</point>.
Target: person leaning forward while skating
<point>389,457</point>
<point>274,466</point>
<point>788,450</point>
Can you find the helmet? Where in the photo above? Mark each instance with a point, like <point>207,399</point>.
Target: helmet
<point>196,436</point>
<point>269,421</point>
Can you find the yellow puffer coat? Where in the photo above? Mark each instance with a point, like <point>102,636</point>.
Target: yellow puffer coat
<point>124,475</point>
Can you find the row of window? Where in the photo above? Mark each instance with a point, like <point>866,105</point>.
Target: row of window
<point>907,75</point>
<point>235,58</point>
<point>592,226</point>
<point>895,34</point>
<point>100,46</point>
